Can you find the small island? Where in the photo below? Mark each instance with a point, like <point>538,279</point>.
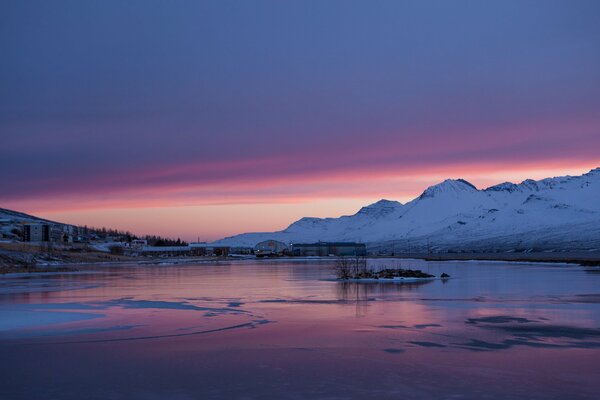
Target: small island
<point>356,271</point>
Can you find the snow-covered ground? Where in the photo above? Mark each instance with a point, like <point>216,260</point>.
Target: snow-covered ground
<point>561,213</point>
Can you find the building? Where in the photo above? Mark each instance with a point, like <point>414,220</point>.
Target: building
<point>36,232</point>
<point>210,250</point>
<point>167,251</point>
<point>219,251</point>
<point>138,244</point>
<point>241,250</point>
<point>271,248</point>
<point>324,249</point>
<point>64,233</point>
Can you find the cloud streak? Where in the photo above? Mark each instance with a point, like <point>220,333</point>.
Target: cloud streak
<point>227,103</point>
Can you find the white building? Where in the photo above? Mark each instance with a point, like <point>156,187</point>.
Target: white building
<point>36,232</point>
<point>270,248</point>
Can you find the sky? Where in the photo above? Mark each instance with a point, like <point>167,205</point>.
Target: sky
<point>202,119</point>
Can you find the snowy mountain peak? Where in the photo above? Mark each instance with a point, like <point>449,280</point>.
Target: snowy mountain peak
<point>384,203</point>
<point>594,172</point>
<point>379,208</point>
<point>505,186</point>
<point>530,184</point>
<point>449,186</point>
<point>543,184</point>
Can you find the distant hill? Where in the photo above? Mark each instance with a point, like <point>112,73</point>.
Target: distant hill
<point>16,216</point>
<point>11,229</point>
<point>553,214</point>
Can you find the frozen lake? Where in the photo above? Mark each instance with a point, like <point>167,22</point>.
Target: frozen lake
<point>269,329</point>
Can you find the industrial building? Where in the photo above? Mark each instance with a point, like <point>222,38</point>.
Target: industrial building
<point>167,251</point>
<point>206,249</point>
<point>241,250</point>
<point>271,248</point>
<point>324,249</point>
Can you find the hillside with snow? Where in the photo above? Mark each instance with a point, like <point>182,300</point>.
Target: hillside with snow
<point>561,213</point>
<point>10,222</point>
<point>16,216</point>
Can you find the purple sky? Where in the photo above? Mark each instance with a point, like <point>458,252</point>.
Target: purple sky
<point>155,104</point>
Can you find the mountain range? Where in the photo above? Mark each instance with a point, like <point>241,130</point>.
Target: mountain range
<point>552,214</point>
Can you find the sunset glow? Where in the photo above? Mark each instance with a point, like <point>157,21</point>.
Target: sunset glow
<point>299,199</point>
<point>146,127</point>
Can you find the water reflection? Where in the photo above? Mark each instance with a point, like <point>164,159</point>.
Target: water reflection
<point>360,293</point>
<point>287,330</point>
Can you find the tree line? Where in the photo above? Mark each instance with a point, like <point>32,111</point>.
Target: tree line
<point>127,236</point>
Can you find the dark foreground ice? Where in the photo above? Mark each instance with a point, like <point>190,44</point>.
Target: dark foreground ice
<point>256,330</point>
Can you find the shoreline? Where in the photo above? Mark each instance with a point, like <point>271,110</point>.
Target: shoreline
<point>386,280</point>
<point>582,258</point>
<point>68,264</point>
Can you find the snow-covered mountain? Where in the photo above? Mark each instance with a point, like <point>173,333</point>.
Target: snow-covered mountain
<point>561,213</point>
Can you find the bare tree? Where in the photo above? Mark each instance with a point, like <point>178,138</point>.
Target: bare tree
<point>344,268</point>
<point>350,267</point>
<point>360,265</point>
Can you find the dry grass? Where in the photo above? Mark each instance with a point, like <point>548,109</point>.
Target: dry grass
<point>27,257</point>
